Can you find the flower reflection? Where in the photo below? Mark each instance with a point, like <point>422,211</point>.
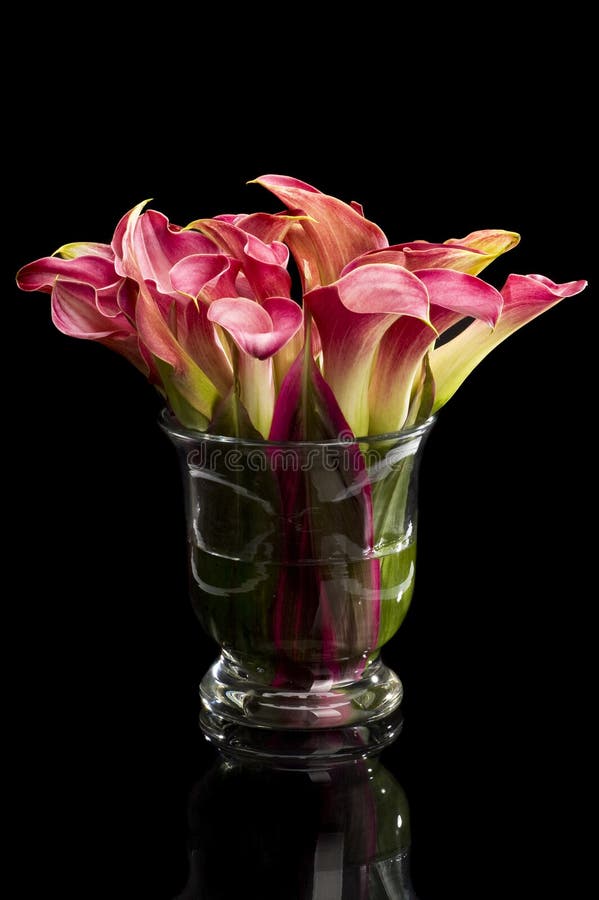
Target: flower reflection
<point>303,829</point>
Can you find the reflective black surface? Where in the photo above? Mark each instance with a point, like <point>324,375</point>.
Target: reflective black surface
<point>315,831</point>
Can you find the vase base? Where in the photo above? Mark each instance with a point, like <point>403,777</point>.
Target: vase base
<point>232,697</point>
<point>300,749</point>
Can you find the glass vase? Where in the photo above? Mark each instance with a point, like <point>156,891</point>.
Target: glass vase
<point>302,563</point>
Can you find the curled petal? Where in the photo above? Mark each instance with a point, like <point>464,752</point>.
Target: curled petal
<point>524,298</point>
<point>470,254</point>
<point>403,348</point>
<point>263,264</point>
<point>107,300</point>
<point>259,331</point>
<point>84,248</point>
<point>147,246</point>
<point>352,317</point>
<point>266,226</point>
<point>332,235</point>
<point>489,241</point>
<point>96,272</point>
<point>187,379</point>
<point>275,253</point>
<point>189,389</point>
<point>74,312</point>
<point>195,273</point>
<point>389,255</point>
<point>126,297</point>
<point>197,336</point>
<point>383,289</point>
<point>123,244</point>
<point>40,275</point>
<point>462,293</point>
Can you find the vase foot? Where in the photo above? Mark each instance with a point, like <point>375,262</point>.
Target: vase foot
<point>300,749</point>
<point>236,704</point>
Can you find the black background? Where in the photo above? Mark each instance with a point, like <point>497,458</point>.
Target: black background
<point>497,655</point>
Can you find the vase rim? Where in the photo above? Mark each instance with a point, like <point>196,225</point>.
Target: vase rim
<point>171,425</point>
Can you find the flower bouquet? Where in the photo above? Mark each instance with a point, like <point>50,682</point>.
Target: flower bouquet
<point>299,422</point>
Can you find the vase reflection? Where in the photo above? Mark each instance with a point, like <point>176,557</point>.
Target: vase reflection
<point>310,828</point>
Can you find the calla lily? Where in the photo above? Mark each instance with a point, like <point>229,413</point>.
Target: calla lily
<point>266,226</point>
<point>258,333</point>
<point>197,335</point>
<point>263,265</point>
<point>352,317</point>
<point>150,249</point>
<point>84,289</point>
<point>184,378</point>
<point>470,254</point>
<point>453,295</point>
<point>331,236</point>
<point>92,264</point>
<point>97,271</point>
<point>205,277</point>
<point>75,312</point>
<point>524,298</point>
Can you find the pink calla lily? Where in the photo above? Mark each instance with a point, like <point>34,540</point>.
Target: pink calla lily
<point>185,377</point>
<point>151,248</point>
<point>205,277</point>
<point>470,254</point>
<point>352,316</point>
<point>524,298</point>
<point>258,332</point>
<point>453,295</point>
<point>197,335</point>
<point>97,271</point>
<point>75,312</point>
<point>84,289</point>
<point>263,265</point>
<point>265,226</point>
<point>332,234</point>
